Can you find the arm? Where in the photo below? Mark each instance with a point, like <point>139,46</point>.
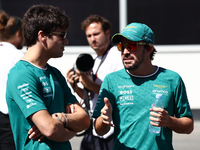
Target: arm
<point>78,119</point>
<point>49,127</point>
<point>102,123</point>
<point>73,108</point>
<point>179,125</point>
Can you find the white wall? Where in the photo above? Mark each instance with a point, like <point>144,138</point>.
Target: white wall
<point>183,59</point>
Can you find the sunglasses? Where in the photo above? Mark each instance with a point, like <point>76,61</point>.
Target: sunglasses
<point>62,35</point>
<point>130,46</point>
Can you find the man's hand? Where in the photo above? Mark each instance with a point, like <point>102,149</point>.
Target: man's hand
<point>35,133</point>
<point>106,113</point>
<point>84,78</point>
<point>178,125</point>
<point>70,109</point>
<point>103,123</point>
<point>60,117</point>
<point>87,81</point>
<point>160,116</point>
<point>72,78</point>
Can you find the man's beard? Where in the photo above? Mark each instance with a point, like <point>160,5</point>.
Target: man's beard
<point>137,64</point>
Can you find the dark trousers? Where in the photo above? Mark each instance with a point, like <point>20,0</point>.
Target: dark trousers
<point>91,142</point>
<point>6,136</point>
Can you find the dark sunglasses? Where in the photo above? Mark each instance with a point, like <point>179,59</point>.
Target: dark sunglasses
<point>62,35</point>
<point>130,46</point>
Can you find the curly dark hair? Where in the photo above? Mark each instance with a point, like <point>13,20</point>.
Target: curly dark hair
<point>96,18</point>
<point>45,18</point>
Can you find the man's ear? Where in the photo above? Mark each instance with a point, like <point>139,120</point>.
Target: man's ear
<point>107,33</point>
<point>150,48</point>
<point>17,33</point>
<point>41,36</point>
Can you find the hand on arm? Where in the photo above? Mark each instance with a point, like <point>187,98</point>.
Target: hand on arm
<point>49,127</point>
<point>103,122</point>
<point>79,122</point>
<point>35,133</point>
<point>179,125</point>
<point>78,119</point>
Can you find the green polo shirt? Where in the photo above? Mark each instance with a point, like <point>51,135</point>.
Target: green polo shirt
<point>31,89</point>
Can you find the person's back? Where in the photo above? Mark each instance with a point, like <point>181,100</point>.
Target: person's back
<point>11,40</point>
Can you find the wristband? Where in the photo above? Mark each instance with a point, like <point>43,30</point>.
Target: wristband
<point>65,119</point>
<point>58,118</point>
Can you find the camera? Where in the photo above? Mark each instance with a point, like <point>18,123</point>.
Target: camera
<point>84,63</point>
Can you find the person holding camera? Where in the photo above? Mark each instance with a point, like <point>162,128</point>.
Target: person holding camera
<point>108,59</point>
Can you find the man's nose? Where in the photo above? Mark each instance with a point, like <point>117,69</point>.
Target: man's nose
<point>65,41</point>
<point>125,51</point>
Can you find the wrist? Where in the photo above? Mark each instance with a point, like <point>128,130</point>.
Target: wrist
<point>66,120</point>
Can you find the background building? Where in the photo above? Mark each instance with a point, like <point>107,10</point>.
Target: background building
<point>173,21</point>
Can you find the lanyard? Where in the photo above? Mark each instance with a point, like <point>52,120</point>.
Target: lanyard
<point>102,60</point>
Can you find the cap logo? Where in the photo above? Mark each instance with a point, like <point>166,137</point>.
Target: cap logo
<point>131,30</point>
<point>130,27</point>
<point>147,38</point>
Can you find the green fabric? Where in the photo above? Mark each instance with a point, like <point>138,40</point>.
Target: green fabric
<point>131,98</point>
<point>30,89</point>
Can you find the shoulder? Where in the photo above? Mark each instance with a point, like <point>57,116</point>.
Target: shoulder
<point>114,55</point>
<point>114,50</point>
<point>22,70</point>
<point>169,76</point>
<point>114,58</point>
<point>168,72</point>
<point>54,70</point>
<point>10,50</point>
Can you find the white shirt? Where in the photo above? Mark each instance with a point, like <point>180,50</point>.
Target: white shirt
<point>111,63</point>
<point>9,55</point>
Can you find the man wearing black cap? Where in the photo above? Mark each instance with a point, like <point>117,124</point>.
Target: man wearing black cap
<point>126,96</point>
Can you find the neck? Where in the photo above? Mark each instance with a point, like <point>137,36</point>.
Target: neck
<point>101,52</point>
<point>144,71</point>
<point>35,56</point>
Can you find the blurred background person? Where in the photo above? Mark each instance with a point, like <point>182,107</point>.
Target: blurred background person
<point>11,41</point>
<point>108,59</point>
